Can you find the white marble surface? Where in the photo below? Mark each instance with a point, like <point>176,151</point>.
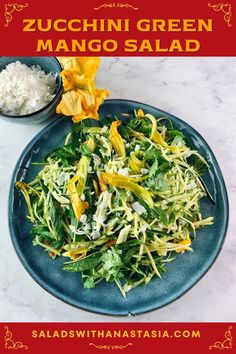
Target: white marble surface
<point>201,91</point>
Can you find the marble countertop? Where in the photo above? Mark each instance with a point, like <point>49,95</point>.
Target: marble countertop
<point>200,91</point>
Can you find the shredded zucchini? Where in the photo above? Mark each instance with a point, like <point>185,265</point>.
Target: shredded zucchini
<point>118,201</point>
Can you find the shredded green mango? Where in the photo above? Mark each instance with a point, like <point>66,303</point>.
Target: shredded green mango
<point>118,205</point>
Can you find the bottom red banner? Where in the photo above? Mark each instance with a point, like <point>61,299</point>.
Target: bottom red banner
<point>174,338</point>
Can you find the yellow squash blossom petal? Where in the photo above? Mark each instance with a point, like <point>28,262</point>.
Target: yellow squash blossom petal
<point>157,138</point>
<point>78,205</point>
<point>81,98</point>
<point>154,124</point>
<point>185,243</point>
<point>140,113</point>
<point>129,184</point>
<point>135,164</point>
<point>155,135</point>
<point>82,174</point>
<point>135,133</point>
<point>83,65</point>
<point>116,139</point>
<point>102,183</point>
<point>72,81</point>
<point>90,143</point>
<point>90,104</point>
<point>75,254</point>
<point>76,187</point>
<point>70,104</point>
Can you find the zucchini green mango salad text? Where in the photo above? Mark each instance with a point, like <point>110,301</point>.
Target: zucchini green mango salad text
<point>119,200</point>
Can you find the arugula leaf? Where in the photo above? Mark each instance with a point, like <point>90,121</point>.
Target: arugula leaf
<point>142,125</point>
<point>41,231</point>
<point>124,132</point>
<point>66,154</point>
<point>86,263</point>
<point>160,214</point>
<point>199,166</point>
<point>54,210</point>
<point>127,256</point>
<point>85,150</point>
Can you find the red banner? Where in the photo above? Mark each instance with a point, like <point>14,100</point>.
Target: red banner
<point>86,338</point>
<point>105,28</point>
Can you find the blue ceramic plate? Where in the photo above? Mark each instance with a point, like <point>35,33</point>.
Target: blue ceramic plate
<point>181,274</point>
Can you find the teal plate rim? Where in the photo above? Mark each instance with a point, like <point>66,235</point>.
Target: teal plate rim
<point>125,307</point>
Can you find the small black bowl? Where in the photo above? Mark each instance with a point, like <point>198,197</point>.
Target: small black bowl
<point>47,64</point>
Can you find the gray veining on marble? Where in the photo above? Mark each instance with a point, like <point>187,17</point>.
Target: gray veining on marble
<point>201,91</point>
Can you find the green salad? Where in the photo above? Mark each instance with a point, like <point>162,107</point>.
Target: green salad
<point>118,201</point>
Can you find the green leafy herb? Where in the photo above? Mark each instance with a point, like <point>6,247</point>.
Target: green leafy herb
<point>118,218</point>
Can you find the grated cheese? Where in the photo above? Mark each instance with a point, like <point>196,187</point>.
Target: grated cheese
<point>24,89</point>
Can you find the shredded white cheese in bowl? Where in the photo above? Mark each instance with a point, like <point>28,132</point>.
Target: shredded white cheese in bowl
<point>24,89</point>
<point>27,91</point>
